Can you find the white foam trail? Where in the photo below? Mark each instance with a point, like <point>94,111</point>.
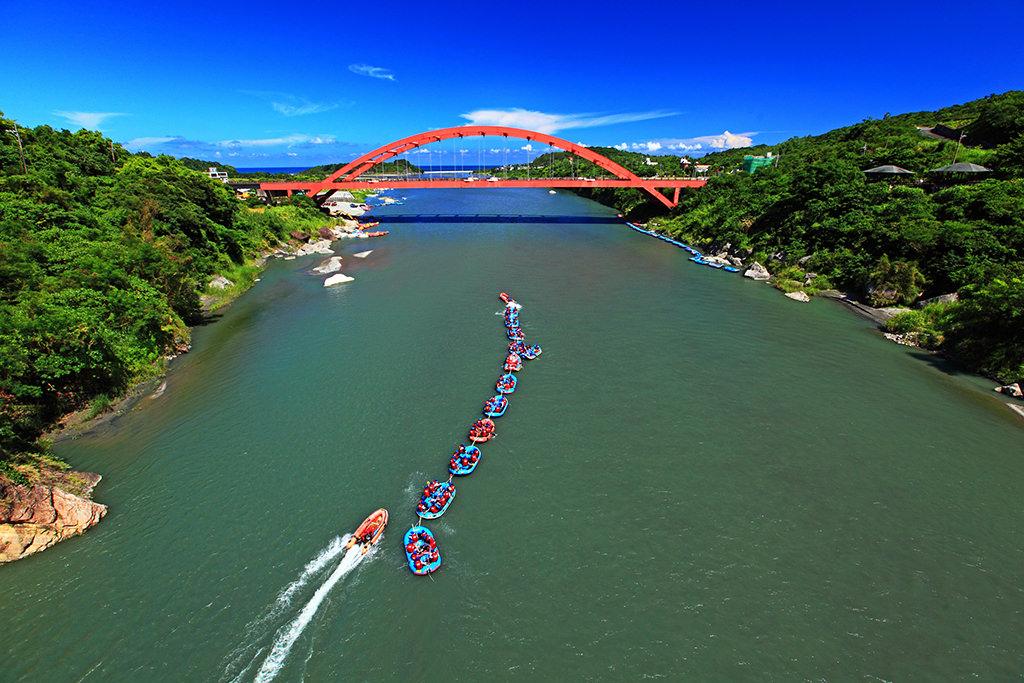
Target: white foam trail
<point>332,550</point>
<point>287,636</point>
<point>284,598</point>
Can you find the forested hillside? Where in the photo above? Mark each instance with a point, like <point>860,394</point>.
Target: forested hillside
<point>891,241</point>
<point>818,222</point>
<point>103,256</point>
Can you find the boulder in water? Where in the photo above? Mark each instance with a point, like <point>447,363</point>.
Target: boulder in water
<point>363,254</point>
<point>798,296</point>
<point>337,279</point>
<point>331,265</point>
<point>757,272</point>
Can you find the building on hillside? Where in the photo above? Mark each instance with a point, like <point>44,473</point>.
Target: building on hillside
<point>217,174</point>
<point>751,163</point>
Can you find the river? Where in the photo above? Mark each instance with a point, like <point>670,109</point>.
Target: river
<point>699,478</point>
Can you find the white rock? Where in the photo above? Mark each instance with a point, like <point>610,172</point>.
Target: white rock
<point>798,296</point>
<point>363,254</point>
<point>220,282</point>
<point>318,247</point>
<point>337,279</point>
<point>331,265</point>
<point>757,272</point>
<point>289,258</point>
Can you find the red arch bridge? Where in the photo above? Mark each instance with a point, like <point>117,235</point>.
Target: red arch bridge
<point>355,176</point>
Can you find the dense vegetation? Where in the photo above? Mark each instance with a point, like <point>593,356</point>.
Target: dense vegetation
<point>103,257</point>
<point>892,242</point>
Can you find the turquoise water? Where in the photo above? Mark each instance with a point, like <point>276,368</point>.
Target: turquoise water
<point>699,478</point>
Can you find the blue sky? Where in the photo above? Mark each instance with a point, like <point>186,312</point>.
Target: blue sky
<point>265,84</point>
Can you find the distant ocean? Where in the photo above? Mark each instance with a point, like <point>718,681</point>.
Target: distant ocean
<point>273,169</point>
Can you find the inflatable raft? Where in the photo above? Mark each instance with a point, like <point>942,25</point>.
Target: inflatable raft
<point>506,384</point>
<point>496,406</point>
<point>513,363</point>
<point>516,334</point>
<point>464,460</point>
<point>437,496</point>
<point>421,551</point>
<point>530,352</point>
<point>482,430</point>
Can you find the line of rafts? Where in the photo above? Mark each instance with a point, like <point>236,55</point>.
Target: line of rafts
<point>696,256</point>
<point>420,545</point>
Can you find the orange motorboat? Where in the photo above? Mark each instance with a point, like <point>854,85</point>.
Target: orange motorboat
<point>370,531</point>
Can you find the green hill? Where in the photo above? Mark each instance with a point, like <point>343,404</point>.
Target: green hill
<point>892,243</point>
<point>103,256</point>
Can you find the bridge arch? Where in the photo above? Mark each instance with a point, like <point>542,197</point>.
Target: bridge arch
<point>354,169</point>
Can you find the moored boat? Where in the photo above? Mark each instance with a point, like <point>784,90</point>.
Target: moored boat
<point>496,406</point>
<point>506,384</point>
<point>421,551</point>
<point>369,532</point>
<point>464,460</point>
<point>437,496</point>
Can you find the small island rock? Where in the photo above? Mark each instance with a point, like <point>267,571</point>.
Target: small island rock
<point>337,279</point>
<point>331,265</point>
<point>798,296</point>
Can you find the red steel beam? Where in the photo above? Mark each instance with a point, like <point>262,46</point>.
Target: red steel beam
<point>350,172</point>
<point>652,186</point>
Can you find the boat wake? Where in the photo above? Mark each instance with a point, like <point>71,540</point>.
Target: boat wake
<point>313,567</point>
<point>286,636</point>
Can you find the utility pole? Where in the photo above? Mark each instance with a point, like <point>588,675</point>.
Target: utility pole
<point>21,150</point>
<point>957,151</point>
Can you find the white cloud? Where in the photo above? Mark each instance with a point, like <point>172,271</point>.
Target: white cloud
<point>301,108</point>
<point>649,146</point>
<point>88,119</point>
<point>724,140</point>
<point>527,147</point>
<point>154,141</point>
<point>286,140</point>
<point>543,122</point>
<point>622,146</point>
<point>372,71</point>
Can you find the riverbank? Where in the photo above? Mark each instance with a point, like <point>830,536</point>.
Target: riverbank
<point>801,286</point>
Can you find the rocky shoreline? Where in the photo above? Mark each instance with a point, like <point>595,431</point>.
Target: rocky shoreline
<point>34,518</point>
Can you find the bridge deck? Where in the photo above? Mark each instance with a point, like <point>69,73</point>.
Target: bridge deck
<point>320,186</point>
